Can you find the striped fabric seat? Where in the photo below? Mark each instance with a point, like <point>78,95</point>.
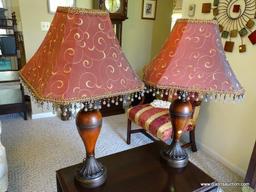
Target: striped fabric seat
<point>155,121</point>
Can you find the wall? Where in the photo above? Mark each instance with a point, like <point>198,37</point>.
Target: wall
<point>143,38</point>
<point>137,36</point>
<point>162,24</point>
<point>228,130</point>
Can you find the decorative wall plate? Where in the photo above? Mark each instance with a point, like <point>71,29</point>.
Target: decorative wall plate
<point>236,20</point>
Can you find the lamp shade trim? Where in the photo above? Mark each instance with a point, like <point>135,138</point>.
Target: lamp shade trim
<point>80,60</point>
<point>75,10</point>
<point>173,88</point>
<point>85,99</point>
<point>200,21</point>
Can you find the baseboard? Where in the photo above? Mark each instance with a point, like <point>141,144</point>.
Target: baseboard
<point>218,157</point>
<point>43,115</point>
<point>221,159</point>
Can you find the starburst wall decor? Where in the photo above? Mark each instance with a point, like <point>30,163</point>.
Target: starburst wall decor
<point>236,20</point>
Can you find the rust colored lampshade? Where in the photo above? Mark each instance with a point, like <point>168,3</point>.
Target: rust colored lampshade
<point>79,60</point>
<point>192,59</point>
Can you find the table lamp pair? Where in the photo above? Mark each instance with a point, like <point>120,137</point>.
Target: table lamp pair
<point>80,62</point>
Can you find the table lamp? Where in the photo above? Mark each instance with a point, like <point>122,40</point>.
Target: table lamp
<point>80,62</point>
<point>191,66</point>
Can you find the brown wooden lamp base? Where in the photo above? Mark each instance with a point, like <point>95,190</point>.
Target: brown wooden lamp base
<point>180,112</point>
<point>92,173</point>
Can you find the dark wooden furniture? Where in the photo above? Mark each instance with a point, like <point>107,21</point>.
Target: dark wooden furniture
<point>12,99</point>
<point>138,169</point>
<point>12,58</point>
<point>113,110</point>
<point>12,54</point>
<point>251,172</point>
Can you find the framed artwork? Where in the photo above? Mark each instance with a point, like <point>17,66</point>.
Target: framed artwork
<point>53,4</point>
<point>149,9</point>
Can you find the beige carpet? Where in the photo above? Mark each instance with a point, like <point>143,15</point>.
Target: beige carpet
<point>37,148</point>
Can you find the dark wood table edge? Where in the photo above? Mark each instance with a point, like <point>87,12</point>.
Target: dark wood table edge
<point>201,189</point>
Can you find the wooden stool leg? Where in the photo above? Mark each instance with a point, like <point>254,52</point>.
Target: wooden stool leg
<point>24,103</point>
<point>193,140</point>
<point>129,124</point>
<point>25,112</point>
<point>25,116</point>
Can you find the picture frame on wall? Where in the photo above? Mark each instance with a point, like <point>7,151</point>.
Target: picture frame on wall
<point>149,9</point>
<point>53,4</point>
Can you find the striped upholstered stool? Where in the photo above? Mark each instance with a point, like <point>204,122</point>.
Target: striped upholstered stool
<point>156,124</point>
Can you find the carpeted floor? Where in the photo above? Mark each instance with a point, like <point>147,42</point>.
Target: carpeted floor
<point>37,148</point>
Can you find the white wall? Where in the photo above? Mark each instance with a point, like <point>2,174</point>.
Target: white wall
<point>137,36</point>
<point>141,37</point>
<point>162,25</point>
<point>225,129</point>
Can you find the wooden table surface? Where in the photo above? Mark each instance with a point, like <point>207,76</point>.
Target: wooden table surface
<point>138,170</point>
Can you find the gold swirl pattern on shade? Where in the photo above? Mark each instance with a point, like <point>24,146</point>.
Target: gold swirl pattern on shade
<point>79,60</point>
<point>193,59</point>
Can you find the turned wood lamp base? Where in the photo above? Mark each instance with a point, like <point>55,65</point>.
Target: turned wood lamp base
<point>180,112</point>
<point>91,181</point>
<point>92,173</point>
<point>175,156</point>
